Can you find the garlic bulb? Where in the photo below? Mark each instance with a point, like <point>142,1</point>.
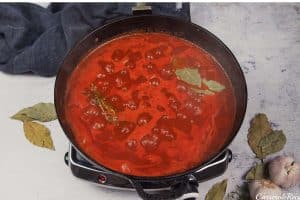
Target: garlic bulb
<point>284,171</point>
<point>262,189</point>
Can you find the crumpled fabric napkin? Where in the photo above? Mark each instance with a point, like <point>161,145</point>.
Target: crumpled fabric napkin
<point>35,40</point>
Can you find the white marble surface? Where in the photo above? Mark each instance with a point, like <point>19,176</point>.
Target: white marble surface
<point>265,39</point>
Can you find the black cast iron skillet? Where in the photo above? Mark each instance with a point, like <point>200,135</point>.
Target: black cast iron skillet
<point>182,182</point>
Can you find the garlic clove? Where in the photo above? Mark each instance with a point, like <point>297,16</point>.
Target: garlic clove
<point>261,189</point>
<point>284,171</point>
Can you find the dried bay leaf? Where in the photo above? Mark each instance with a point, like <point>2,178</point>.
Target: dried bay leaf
<point>21,115</point>
<point>38,134</point>
<point>189,75</point>
<point>217,192</point>
<point>203,92</point>
<point>239,193</point>
<point>213,85</point>
<point>272,143</point>
<point>259,128</point>
<point>43,112</point>
<point>257,172</point>
<point>178,62</point>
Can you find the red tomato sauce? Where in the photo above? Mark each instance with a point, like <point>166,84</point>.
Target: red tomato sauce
<point>130,112</point>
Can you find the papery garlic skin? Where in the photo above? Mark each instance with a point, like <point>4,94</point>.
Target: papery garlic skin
<point>284,171</point>
<point>260,189</point>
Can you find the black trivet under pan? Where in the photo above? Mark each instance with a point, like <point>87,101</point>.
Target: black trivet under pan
<point>83,169</point>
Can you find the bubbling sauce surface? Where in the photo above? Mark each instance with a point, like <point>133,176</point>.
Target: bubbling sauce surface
<point>130,111</point>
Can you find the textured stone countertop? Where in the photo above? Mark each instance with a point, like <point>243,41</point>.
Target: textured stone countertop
<point>265,39</point>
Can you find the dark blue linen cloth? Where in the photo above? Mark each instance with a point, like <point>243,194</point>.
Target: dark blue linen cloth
<point>35,39</point>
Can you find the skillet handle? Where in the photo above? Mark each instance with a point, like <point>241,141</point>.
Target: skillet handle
<point>141,9</point>
<point>187,189</point>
